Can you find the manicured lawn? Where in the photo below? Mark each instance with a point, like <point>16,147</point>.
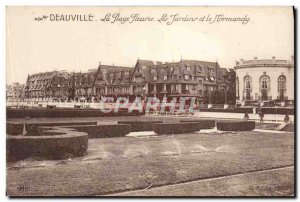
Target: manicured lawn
<point>114,165</point>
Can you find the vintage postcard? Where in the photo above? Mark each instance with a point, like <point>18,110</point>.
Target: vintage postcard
<point>150,101</point>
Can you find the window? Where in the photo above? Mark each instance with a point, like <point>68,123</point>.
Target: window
<point>172,68</point>
<point>281,86</point>
<point>155,78</point>
<point>264,82</point>
<point>237,87</point>
<point>247,87</point>
<point>264,85</point>
<point>188,68</point>
<point>134,79</point>
<point>165,77</point>
<point>153,70</point>
<point>186,77</point>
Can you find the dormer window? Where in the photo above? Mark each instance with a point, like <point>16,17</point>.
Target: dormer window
<point>186,77</point>
<point>188,68</point>
<point>153,70</point>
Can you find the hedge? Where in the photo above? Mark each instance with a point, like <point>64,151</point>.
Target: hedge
<point>175,128</point>
<point>104,131</point>
<point>51,113</point>
<point>14,128</point>
<point>32,129</point>
<point>236,126</point>
<point>140,125</point>
<point>203,124</point>
<point>64,144</point>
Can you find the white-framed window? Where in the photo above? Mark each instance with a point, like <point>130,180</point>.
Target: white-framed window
<point>188,68</point>
<point>155,78</point>
<point>165,77</point>
<point>186,77</point>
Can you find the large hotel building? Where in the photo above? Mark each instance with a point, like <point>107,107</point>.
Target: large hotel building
<point>186,78</point>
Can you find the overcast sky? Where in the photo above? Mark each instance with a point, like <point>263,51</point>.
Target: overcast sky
<point>34,46</point>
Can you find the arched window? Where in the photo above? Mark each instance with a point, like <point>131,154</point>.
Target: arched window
<point>281,87</point>
<point>247,87</point>
<point>265,86</point>
<point>237,88</point>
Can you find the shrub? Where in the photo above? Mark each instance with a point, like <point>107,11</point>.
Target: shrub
<point>32,129</point>
<point>104,131</point>
<point>236,126</point>
<point>140,125</point>
<point>14,128</point>
<point>61,145</point>
<point>175,128</point>
<point>203,124</point>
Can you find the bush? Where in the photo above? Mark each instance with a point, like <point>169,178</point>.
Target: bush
<point>61,145</point>
<point>32,129</point>
<point>175,128</point>
<point>140,125</point>
<point>236,126</point>
<point>104,131</point>
<point>203,124</point>
<point>14,128</point>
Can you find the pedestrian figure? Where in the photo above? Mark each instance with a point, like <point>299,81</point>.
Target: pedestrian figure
<point>246,116</point>
<point>286,118</point>
<point>261,116</point>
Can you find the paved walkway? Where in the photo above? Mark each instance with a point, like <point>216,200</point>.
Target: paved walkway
<point>222,115</point>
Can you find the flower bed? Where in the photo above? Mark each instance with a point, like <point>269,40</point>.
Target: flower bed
<point>236,126</point>
<point>140,125</point>
<point>59,143</point>
<point>175,128</point>
<point>34,129</point>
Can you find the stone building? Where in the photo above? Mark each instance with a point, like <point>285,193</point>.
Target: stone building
<point>186,78</point>
<point>264,81</point>
<point>14,92</point>
<point>46,86</point>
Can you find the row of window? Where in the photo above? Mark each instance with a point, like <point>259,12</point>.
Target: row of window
<point>264,84</point>
<point>188,68</point>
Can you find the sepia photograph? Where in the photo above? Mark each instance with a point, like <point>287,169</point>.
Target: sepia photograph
<point>150,101</point>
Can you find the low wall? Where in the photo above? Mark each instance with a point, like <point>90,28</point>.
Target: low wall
<point>203,124</point>
<point>52,113</point>
<point>236,126</point>
<point>64,143</point>
<point>271,110</point>
<point>140,125</point>
<point>175,128</point>
<point>104,131</point>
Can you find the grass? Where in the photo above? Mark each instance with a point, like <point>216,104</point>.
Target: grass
<point>120,164</point>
